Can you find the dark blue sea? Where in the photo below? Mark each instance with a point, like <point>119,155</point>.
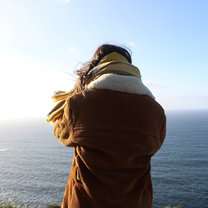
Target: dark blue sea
<point>34,166</point>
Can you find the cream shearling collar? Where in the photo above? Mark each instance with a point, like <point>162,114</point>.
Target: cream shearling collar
<point>121,83</point>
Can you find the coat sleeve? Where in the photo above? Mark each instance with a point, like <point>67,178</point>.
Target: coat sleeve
<point>163,131</point>
<point>157,143</point>
<point>63,127</point>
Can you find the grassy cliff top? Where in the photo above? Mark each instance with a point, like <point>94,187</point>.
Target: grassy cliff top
<point>14,206</point>
<point>58,206</point>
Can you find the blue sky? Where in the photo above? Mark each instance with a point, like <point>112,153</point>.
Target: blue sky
<point>43,41</point>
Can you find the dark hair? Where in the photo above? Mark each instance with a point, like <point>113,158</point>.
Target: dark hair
<point>101,51</point>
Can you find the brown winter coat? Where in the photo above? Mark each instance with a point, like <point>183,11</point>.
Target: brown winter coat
<point>114,134</point>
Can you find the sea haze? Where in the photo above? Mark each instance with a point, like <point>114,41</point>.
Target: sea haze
<point>34,167</point>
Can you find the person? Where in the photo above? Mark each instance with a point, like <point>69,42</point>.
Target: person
<point>115,126</point>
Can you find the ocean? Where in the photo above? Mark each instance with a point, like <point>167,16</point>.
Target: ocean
<point>34,166</point>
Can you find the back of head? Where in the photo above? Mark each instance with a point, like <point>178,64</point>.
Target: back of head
<point>101,51</point>
<point>106,49</point>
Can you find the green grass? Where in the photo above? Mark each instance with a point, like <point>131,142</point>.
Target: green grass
<point>13,206</point>
<point>58,206</point>
<point>9,206</point>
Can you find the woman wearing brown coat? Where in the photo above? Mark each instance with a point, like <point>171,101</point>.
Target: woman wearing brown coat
<point>115,125</point>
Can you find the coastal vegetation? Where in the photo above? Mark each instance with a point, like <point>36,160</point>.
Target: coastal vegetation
<point>14,206</point>
<point>58,206</point>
